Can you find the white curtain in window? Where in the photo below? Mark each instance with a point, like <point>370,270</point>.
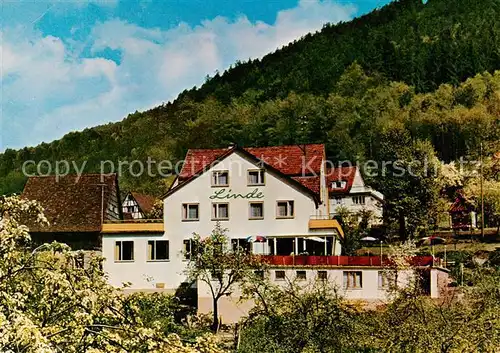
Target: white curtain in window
<point>253,178</point>
<point>193,212</point>
<point>282,209</point>
<point>223,179</point>
<point>223,211</point>
<point>256,210</point>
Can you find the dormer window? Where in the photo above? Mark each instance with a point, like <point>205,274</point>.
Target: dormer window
<point>339,184</point>
<point>220,178</point>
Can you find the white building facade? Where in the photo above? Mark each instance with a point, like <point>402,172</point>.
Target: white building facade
<point>348,190</point>
<point>369,285</point>
<point>274,201</point>
<point>278,194</point>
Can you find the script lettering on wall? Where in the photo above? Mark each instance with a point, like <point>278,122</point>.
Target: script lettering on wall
<point>227,194</point>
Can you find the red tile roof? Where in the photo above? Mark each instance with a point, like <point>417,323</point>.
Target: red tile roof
<point>460,205</point>
<point>146,202</point>
<point>197,159</point>
<point>310,182</point>
<point>70,204</point>
<point>294,160</point>
<point>338,174</point>
<point>302,162</point>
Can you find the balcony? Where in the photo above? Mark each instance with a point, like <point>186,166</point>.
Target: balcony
<point>133,226</point>
<point>325,222</point>
<point>353,261</point>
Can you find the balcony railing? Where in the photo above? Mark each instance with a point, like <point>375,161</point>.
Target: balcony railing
<point>325,222</point>
<point>318,217</point>
<point>130,221</point>
<point>133,226</point>
<point>354,261</point>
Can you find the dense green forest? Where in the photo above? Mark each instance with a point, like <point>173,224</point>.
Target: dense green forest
<point>408,66</point>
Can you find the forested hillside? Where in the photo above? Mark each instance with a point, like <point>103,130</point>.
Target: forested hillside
<point>402,67</point>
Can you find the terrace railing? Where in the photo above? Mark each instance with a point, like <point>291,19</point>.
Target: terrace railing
<point>355,261</point>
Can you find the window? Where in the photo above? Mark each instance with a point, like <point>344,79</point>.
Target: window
<point>220,211</point>
<point>301,275</point>
<point>259,274</point>
<point>256,210</point>
<point>218,249</point>
<point>284,209</point>
<point>322,275</point>
<point>124,251</point>
<point>220,178</point>
<point>358,200</point>
<point>216,274</point>
<point>188,249</point>
<point>279,275</point>
<point>132,209</point>
<point>158,250</point>
<point>385,279</point>
<point>339,184</point>
<point>338,200</point>
<point>353,280</point>
<point>80,260</point>
<point>256,177</point>
<point>190,212</point>
<point>240,243</point>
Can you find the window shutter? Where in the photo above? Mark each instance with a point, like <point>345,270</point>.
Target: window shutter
<point>117,251</point>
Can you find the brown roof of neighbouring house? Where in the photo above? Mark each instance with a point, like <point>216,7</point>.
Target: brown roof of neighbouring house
<point>146,202</point>
<point>460,205</point>
<point>71,203</point>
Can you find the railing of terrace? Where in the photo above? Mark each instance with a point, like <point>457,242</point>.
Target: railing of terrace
<point>306,260</point>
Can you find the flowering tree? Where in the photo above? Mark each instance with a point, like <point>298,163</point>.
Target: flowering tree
<point>491,191</point>
<point>157,210</point>
<point>220,267</point>
<point>49,302</point>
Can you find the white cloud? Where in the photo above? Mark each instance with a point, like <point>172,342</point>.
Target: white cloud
<point>49,90</point>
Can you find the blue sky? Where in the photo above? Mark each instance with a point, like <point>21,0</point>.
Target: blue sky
<point>71,64</point>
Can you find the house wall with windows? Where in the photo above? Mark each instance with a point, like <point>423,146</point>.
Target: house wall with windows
<point>274,194</point>
<point>356,202</point>
<point>141,259</point>
<point>347,189</point>
<point>371,286</point>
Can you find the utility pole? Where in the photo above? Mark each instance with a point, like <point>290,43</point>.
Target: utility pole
<point>482,192</point>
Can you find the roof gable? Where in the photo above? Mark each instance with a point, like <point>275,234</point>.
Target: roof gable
<point>302,162</point>
<point>145,202</point>
<point>460,205</point>
<point>72,203</point>
<point>309,184</point>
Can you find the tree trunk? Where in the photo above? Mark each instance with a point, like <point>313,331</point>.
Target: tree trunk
<point>215,322</point>
<point>402,226</point>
